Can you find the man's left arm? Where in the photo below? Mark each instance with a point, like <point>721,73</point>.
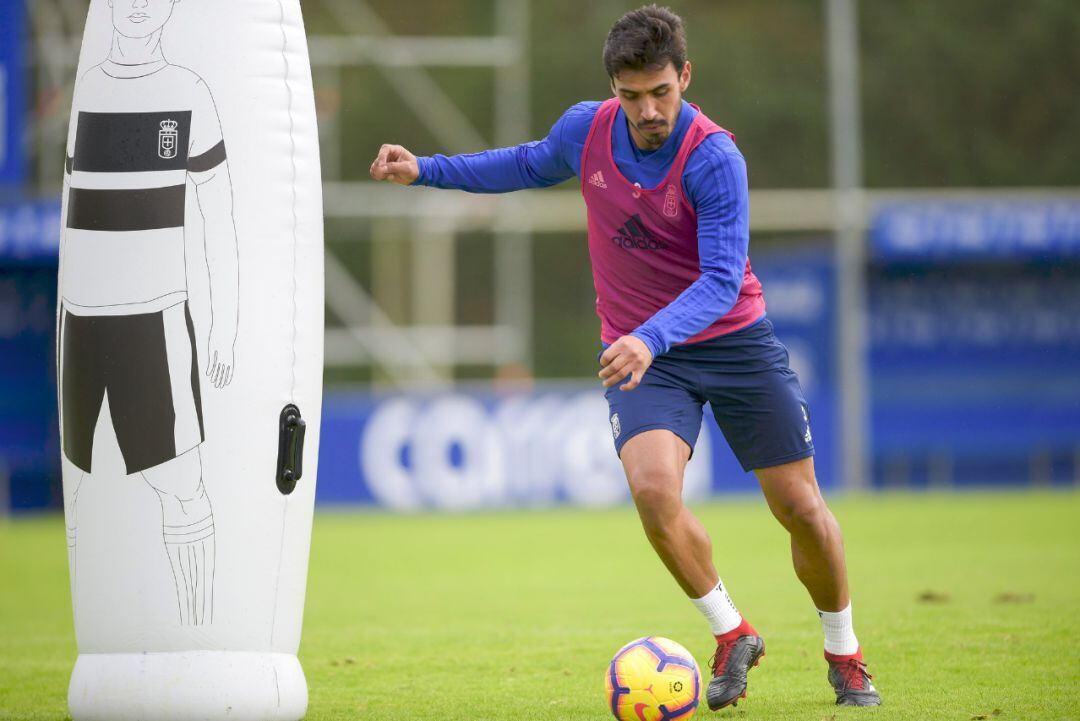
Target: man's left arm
<point>716,184</point>
<point>208,169</point>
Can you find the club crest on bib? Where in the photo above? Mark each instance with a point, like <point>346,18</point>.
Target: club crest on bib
<point>671,201</point>
<point>167,139</point>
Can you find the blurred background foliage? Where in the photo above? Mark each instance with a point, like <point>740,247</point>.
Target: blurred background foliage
<point>966,93</point>
<point>760,71</point>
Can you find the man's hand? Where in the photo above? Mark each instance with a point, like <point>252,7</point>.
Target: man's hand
<point>627,356</point>
<point>395,164</point>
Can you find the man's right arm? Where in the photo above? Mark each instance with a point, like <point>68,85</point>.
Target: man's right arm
<point>538,164</point>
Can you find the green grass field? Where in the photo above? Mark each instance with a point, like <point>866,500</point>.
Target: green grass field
<point>967,605</point>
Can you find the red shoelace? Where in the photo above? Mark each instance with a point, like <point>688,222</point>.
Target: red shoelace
<point>854,672</point>
<point>719,659</point>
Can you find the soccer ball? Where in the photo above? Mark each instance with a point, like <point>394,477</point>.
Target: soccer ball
<point>652,679</point>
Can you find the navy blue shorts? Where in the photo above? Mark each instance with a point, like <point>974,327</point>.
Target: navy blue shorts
<point>744,377</point>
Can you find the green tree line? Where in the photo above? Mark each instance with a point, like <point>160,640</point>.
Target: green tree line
<point>961,93</point>
<point>958,93</point>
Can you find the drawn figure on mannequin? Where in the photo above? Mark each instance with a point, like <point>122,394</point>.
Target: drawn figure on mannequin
<point>144,133</point>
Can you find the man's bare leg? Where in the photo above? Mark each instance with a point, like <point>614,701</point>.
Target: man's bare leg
<point>188,530</point>
<point>654,462</point>
<point>817,548</point>
<point>817,552</point>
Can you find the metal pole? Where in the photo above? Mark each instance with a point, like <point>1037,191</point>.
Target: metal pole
<point>513,248</point>
<point>851,336</point>
<point>329,84</point>
<point>434,276</point>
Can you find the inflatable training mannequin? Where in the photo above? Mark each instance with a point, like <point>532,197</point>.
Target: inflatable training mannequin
<point>190,343</point>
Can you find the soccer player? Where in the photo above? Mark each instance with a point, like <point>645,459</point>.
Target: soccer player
<point>141,130</point>
<point>682,323</point>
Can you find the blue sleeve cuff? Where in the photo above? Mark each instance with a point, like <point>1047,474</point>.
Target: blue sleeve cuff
<point>421,165</point>
<point>654,342</point>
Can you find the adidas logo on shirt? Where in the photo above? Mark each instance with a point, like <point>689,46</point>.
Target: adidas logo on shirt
<point>634,234</point>
<point>597,179</point>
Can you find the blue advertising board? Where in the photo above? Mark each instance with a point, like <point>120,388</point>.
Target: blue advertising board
<point>969,230</point>
<point>975,373</point>
<point>975,341</point>
<point>29,232</point>
<point>29,441</point>
<point>12,92</point>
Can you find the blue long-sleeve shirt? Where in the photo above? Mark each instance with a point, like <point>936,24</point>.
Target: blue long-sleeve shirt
<point>714,180</point>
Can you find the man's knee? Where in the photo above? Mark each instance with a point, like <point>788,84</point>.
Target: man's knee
<point>655,492</point>
<point>802,513</point>
<point>793,495</point>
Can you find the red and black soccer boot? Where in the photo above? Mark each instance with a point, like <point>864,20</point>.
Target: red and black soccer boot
<point>737,651</point>
<point>849,679</point>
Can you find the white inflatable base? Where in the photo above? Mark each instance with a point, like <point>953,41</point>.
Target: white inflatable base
<point>187,686</point>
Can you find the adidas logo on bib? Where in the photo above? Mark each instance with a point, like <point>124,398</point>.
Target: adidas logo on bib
<point>597,179</point>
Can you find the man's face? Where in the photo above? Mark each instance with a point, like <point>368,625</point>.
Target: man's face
<point>140,18</point>
<point>651,100</point>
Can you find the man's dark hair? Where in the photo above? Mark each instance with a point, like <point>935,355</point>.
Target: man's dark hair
<point>646,38</point>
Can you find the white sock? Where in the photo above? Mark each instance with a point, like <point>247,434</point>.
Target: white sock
<point>839,635</point>
<point>718,609</point>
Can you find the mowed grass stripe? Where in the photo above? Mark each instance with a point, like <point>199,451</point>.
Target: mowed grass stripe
<point>966,604</point>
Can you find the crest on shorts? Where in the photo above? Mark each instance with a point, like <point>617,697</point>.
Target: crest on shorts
<point>616,427</point>
<point>671,201</point>
<point>166,139</point>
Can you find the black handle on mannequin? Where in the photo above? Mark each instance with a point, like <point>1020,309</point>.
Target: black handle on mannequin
<point>290,449</point>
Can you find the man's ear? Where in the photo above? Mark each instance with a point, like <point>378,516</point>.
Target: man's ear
<point>684,77</point>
